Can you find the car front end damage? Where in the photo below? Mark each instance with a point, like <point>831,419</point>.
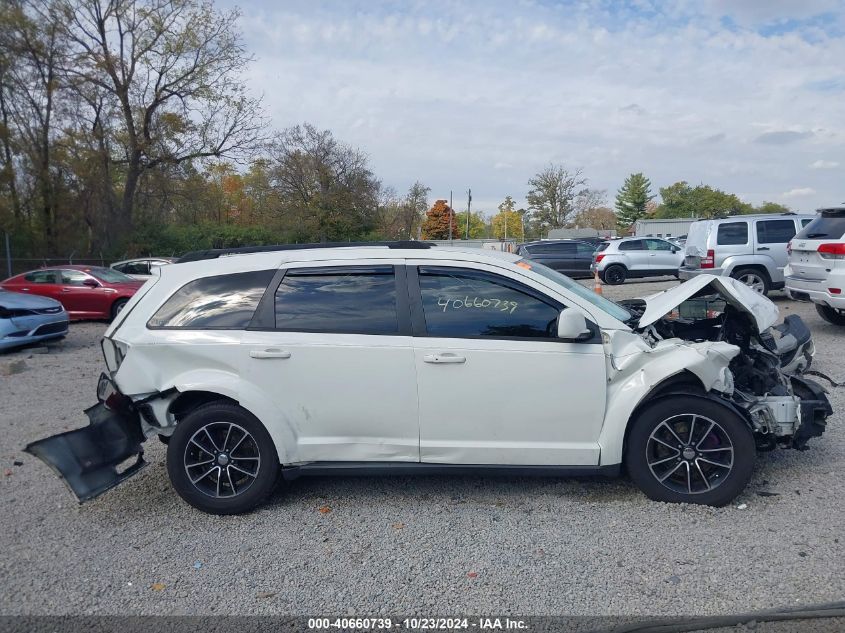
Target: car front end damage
<point>760,365</point>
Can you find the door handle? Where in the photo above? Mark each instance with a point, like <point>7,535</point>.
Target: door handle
<point>444,359</point>
<point>65,289</point>
<point>763,248</point>
<point>25,289</point>
<point>269,353</point>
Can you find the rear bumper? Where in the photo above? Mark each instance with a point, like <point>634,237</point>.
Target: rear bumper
<point>815,291</point>
<point>691,273</point>
<point>89,460</point>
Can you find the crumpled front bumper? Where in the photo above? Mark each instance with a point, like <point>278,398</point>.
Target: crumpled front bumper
<point>90,460</point>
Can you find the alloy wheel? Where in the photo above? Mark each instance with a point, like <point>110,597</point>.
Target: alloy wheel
<point>689,454</point>
<point>222,459</point>
<point>753,281</point>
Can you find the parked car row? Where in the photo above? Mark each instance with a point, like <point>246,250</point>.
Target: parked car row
<point>38,305</point>
<point>244,347</point>
<point>750,248</point>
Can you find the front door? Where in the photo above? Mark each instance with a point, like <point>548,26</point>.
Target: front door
<point>337,361</point>
<point>662,256</point>
<point>84,300</point>
<point>495,384</point>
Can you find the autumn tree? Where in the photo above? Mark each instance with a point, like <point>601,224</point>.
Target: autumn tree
<point>600,218</point>
<point>507,223</point>
<point>437,221</point>
<point>632,199</point>
<point>174,71</point>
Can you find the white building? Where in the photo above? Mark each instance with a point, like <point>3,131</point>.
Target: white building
<point>671,227</point>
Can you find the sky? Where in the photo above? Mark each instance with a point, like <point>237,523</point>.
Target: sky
<point>744,95</point>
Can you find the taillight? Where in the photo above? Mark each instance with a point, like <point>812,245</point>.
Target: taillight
<point>599,257</point>
<point>835,250</point>
<point>710,260</point>
<point>789,248</point>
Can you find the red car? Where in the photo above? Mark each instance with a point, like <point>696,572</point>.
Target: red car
<point>86,292</point>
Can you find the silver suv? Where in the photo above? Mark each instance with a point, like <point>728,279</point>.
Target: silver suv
<point>751,248</point>
<point>618,260</point>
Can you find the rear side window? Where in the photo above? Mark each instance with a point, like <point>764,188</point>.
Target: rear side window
<point>461,304</point>
<point>732,233</point>
<point>565,248</point>
<point>222,302</point>
<point>775,231</point>
<point>632,245</point>
<point>41,277</point>
<point>824,227</point>
<point>343,300</point>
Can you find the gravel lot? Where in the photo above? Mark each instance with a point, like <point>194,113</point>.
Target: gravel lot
<point>430,545</point>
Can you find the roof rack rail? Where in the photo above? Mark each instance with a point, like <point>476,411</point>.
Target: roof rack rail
<point>214,253</point>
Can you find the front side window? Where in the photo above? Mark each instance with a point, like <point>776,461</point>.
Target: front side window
<point>74,278</point>
<point>222,302</point>
<point>775,231</point>
<point>658,245</point>
<point>732,233</point>
<point>109,275</point>
<point>461,304</point>
<point>343,300</point>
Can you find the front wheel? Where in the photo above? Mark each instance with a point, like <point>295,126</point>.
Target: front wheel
<point>222,460</point>
<point>690,450</point>
<point>831,315</point>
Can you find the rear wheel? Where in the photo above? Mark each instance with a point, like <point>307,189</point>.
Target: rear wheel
<point>117,306</point>
<point>222,460</point>
<point>755,279</point>
<point>831,315</point>
<point>690,450</point>
<point>614,275</point>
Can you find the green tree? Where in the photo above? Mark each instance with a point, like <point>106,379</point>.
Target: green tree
<point>772,207</point>
<point>477,225</point>
<point>437,220</point>
<point>632,199</point>
<point>681,200</point>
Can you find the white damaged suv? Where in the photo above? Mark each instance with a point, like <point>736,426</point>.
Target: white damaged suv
<point>405,358</point>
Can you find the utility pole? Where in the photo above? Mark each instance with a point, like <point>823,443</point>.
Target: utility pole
<point>469,207</point>
<point>451,215</point>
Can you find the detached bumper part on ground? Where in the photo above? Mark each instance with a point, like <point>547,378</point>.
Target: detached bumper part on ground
<point>88,459</point>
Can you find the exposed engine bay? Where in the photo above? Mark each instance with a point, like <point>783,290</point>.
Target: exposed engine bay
<point>783,407</point>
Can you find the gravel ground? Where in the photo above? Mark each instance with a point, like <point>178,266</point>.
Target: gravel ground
<point>429,545</point>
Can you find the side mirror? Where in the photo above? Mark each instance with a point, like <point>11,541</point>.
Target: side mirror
<point>91,283</point>
<point>572,326</point>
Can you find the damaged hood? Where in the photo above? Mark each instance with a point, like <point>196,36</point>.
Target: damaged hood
<point>763,312</point>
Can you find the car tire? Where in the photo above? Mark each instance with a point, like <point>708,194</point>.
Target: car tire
<point>754,278</point>
<point>831,315</point>
<point>711,469</point>
<point>614,275</point>
<point>117,306</point>
<point>222,460</point>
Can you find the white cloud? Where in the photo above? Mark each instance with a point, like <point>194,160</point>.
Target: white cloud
<point>824,164</point>
<point>432,91</point>
<point>800,192</point>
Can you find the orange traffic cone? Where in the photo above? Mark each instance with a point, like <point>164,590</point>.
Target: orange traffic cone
<point>597,283</point>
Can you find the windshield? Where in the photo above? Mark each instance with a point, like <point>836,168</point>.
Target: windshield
<point>613,309</point>
<point>110,275</point>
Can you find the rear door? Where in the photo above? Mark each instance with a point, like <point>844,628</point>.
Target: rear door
<point>41,282</point>
<point>771,238</point>
<point>331,347</point>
